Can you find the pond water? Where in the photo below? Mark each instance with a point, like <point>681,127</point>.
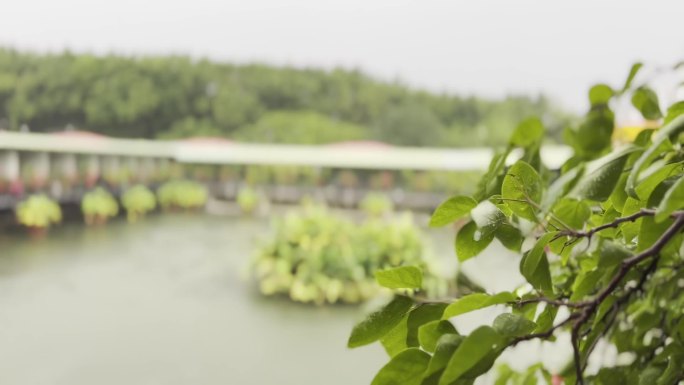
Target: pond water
<point>164,301</point>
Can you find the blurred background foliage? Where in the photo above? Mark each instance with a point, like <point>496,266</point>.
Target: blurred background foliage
<point>175,97</point>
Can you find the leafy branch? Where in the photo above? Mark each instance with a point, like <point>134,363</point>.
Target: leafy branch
<point>625,292</point>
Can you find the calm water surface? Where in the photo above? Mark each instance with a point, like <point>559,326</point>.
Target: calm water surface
<point>164,301</point>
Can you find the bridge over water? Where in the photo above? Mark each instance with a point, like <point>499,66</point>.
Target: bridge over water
<point>67,163</point>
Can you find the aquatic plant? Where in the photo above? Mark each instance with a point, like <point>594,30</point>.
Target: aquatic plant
<point>182,194</point>
<point>138,201</point>
<point>319,257</point>
<point>98,206</point>
<point>38,212</point>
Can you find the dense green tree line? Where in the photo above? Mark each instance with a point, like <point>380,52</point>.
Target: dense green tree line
<point>171,96</point>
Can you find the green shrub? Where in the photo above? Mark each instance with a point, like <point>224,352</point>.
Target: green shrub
<point>247,199</point>
<point>38,211</point>
<point>376,204</point>
<point>138,201</point>
<point>315,256</point>
<point>182,194</point>
<point>98,206</point>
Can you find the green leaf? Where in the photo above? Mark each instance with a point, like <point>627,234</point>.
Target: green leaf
<point>561,186</point>
<point>660,142</point>
<point>674,111</point>
<point>513,325</point>
<point>631,229</point>
<point>643,138</point>
<point>609,215</point>
<point>446,346</point>
<point>504,374</point>
<point>646,101</point>
<point>406,333</point>
<point>601,176</point>
<point>431,332</point>
<point>650,230</point>
<point>528,132</point>
<point>612,254</point>
<point>527,310</point>
<point>406,368</point>
<point>600,94</point>
<point>420,316</point>
<point>680,330</point>
<point>545,319</point>
<point>603,309</point>
<point>474,349</point>
<point>509,236</point>
<point>672,373</point>
<point>403,277</point>
<point>632,73</point>
<point>571,212</point>
<point>658,172</point>
<point>535,267</point>
<point>586,283</point>
<point>522,190</point>
<point>451,210</point>
<point>612,376</point>
<point>593,136</point>
<point>500,204</point>
<point>470,241</point>
<point>394,341</point>
<point>476,301</point>
<point>650,375</point>
<point>672,201</point>
<point>379,323</point>
<point>619,195</point>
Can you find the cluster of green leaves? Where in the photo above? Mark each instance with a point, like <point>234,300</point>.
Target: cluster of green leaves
<point>602,257</point>
<point>38,211</point>
<point>376,204</point>
<point>138,201</point>
<point>175,97</point>
<point>317,256</point>
<point>98,206</point>
<point>182,194</point>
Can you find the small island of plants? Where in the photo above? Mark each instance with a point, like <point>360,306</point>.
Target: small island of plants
<point>316,256</point>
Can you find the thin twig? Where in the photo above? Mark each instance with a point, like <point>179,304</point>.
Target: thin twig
<point>555,302</point>
<point>579,371</point>
<point>545,334</point>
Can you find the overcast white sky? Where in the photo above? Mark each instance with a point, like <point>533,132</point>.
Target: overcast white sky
<point>485,47</point>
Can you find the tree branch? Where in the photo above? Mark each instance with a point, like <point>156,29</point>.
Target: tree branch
<point>614,224</point>
<point>555,302</point>
<point>586,309</point>
<point>625,267</point>
<point>545,334</point>
<point>579,371</point>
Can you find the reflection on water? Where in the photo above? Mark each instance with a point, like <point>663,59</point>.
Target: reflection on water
<point>163,302</point>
